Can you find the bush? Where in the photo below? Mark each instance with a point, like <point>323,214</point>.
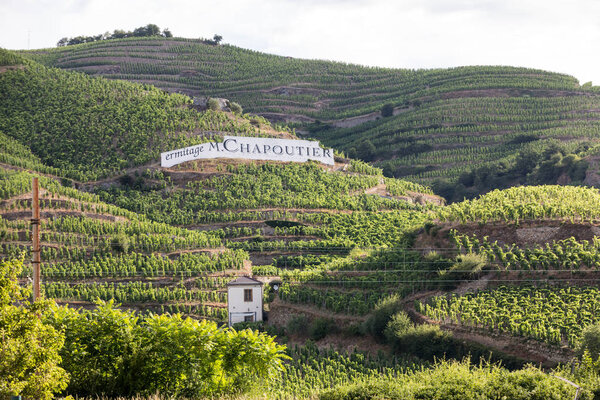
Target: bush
<point>213,104</point>
<point>381,315</point>
<point>387,110</point>
<point>590,341</point>
<point>424,341</point>
<point>297,325</point>
<point>235,107</point>
<point>115,353</point>
<point>465,267</point>
<point>321,327</point>
<point>398,325</point>
<point>29,348</point>
<point>353,330</point>
<point>120,243</point>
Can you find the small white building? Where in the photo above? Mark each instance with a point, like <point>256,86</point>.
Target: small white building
<point>244,300</point>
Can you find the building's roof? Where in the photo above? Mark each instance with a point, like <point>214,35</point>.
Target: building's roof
<point>244,280</point>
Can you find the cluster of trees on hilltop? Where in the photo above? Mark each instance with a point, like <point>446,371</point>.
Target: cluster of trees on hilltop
<point>142,31</point>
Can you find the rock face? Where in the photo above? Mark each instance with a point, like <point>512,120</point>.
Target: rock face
<point>201,103</point>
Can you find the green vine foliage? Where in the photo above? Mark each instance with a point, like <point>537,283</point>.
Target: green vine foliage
<point>30,363</point>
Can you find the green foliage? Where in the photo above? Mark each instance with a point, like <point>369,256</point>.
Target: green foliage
<point>99,348</point>
<point>235,107</point>
<point>213,104</point>
<point>568,254</point>
<point>143,31</point>
<point>449,119</point>
<point>298,325</point>
<point>536,164</point>
<point>398,325</point>
<point>11,58</point>
<point>91,127</point>
<point>383,312</point>
<point>458,381</point>
<point>321,327</point>
<point>553,315</point>
<point>116,353</point>
<point>387,110</point>
<point>465,267</point>
<point>527,203</point>
<point>425,341</point>
<point>312,370</point>
<point>590,341</point>
<point>29,349</point>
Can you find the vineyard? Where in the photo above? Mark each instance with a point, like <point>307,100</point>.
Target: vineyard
<point>439,123</point>
<point>553,315</point>
<point>95,250</point>
<point>377,261</point>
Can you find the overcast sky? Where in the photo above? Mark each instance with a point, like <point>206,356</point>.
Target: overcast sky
<point>555,35</point>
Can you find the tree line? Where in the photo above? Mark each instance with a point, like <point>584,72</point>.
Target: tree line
<point>142,31</point>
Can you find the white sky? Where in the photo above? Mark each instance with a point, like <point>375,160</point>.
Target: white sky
<point>555,35</point>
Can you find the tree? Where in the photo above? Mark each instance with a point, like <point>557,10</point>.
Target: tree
<point>217,39</point>
<point>148,30</point>
<point>366,150</point>
<point>29,349</point>
<point>167,33</point>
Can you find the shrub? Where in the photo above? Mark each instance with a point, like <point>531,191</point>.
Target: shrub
<point>398,325</point>
<point>235,107</point>
<point>297,325</point>
<point>320,327</point>
<point>379,318</point>
<point>424,341</point>
<point>29,348</point>
<point>213,104</point>
<point>387,110</point>
<point>114,353</point>
<point>465,267</point>
<point>120,242</point>
<point>590,341</point>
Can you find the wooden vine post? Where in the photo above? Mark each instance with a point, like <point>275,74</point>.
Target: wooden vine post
<point>35,223</point>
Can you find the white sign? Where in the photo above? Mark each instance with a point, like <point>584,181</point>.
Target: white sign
<point>251,148</point>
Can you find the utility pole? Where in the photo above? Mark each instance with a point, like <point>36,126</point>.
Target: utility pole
<point>35,223</point>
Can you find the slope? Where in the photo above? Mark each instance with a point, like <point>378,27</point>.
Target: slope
<point>149,260</point>
<point>338,239</point>
<point>439,123</point>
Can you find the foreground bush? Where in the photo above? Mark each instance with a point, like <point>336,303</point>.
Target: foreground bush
<point>29,348</point>
<point>116,353</point>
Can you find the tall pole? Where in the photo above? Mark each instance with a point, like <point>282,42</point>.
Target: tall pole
<point>35,223</point>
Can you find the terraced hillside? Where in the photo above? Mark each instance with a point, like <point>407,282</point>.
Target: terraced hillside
<point>441,123</point>
<point>193,224</point>
<point>370,260</point>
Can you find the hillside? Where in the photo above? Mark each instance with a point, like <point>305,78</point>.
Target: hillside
<point>218,210</point>
<point>441,124</point>
<point>378,268</point>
